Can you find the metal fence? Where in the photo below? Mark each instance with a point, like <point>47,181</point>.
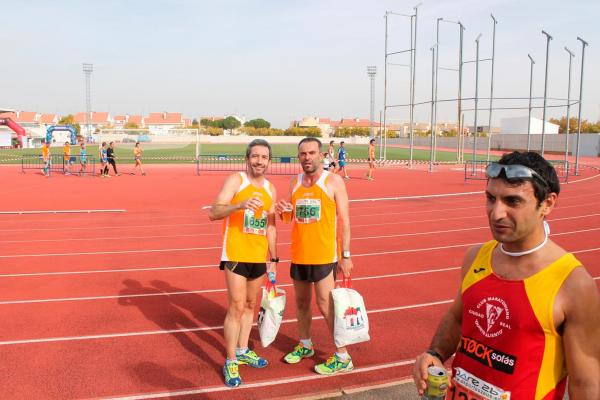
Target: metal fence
<point>58,164</point>
<point>475,170</point>
<point>231,162</point>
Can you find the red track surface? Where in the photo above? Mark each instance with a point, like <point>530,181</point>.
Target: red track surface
<point>131,304</point>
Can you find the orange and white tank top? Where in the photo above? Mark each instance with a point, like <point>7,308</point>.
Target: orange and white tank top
<point>509,345</point>
<point>314,234</point>
<point>244,233</point>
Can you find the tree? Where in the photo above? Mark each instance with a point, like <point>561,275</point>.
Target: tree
<point>231,123</point>
<point>312,131</point>
<point>130,125</point>
<point>258,123</point>
<point>70,120</point>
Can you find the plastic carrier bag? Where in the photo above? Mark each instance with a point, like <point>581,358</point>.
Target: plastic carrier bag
<point>270,315</point>
<point>350,324</point>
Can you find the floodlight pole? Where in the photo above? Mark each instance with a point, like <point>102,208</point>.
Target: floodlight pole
<point>476,101</point>
<point>372,71</point>
<point>87,70</point>
<point>432,130</point>
<point>583,44</point>
<point>548,39</point>
<point>532,62</point>
<point>491,86</point>
<point>461,138</point>
<point>413,70</point>
<point>383,140</point>
<point>571,55</point>
<point>434,88</point>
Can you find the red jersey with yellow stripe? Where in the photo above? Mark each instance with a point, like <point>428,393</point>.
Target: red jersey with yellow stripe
<point>508,339</point>
<point>244,231</point>
<point>314,235</point>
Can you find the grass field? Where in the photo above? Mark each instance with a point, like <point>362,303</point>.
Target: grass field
<point>165,153</point>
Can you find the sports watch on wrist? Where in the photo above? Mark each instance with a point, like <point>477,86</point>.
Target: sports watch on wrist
<point>275,260</point>
<point>435,354</point>
<point>346,254</point>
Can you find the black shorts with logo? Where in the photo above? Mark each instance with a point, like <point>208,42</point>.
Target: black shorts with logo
<point>247,270</point>
<point>312,272</point>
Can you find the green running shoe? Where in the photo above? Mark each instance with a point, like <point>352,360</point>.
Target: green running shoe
<point>334,365</point>
<point>232,374</point>
<point>298,354</point>
<point>252,359</point>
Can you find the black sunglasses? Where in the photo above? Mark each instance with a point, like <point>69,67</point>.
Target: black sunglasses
<point>513,171</point>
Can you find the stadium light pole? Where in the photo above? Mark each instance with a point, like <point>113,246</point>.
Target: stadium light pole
<point>548,39</point>
<point>495,22</point>
<point>372,72</point>
<point>432,128</point>
<point>583,45</point>
<point>476,101</point>
<point>531,63</point>
<point>571,55</point>
<point>87,70</point>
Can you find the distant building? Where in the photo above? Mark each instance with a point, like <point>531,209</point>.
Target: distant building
<point>161,122</point>
<point>519,125</point>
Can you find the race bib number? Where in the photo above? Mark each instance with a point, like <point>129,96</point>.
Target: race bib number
<point>308,211</point>
<point>255,226</point>
<point>467,386</point>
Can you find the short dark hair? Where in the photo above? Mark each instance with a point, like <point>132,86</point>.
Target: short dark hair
<point>331,142</point>
<point>342,142</point>
<point>372,141</point>
<point>103,143</point>
<point>311,139</point>
<point>258,142</point>
<point>540,165</point>
<point>111,143</point>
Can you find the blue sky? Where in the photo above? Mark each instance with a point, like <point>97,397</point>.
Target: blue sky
<point>281,60</point>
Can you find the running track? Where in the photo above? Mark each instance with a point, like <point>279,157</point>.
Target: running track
<point>130,304</point>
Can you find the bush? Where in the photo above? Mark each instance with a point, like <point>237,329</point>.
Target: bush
<point>312,131</point>
<point>213,131</point>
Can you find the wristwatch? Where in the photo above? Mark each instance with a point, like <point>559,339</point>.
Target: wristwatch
<point>275,260</point>
<point>346,254</point>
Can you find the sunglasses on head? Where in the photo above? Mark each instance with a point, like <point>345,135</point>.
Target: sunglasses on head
<point>514,171</point>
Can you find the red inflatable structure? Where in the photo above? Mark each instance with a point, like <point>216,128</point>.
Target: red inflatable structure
<point>18,129</point>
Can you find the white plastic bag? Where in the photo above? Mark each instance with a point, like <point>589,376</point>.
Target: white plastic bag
<point>350,324</point>
<point>270,315</point>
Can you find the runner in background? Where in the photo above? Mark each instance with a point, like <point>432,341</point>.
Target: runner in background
<point>331,152</point>
<point>137,155</point>
<point>67,158</point>
<point>371,160</point>
<point>46,158</point>
<point>83,158</point>
<point>342,160</point>
<point>104,161</point>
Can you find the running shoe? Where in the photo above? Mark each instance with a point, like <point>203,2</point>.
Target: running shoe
<point>252,359</point>
<point>232,374</point>
<point>298,354</point>
<point>334,365</point>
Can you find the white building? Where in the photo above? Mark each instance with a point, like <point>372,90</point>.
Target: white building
<point>518,125</point>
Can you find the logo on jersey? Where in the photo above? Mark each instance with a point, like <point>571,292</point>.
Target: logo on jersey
<point>487,355</point>
<point>492,316</point>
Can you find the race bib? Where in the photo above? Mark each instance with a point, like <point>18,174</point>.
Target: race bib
<point>467,386</point>
<point>255,226</point>
<point>308,211</point>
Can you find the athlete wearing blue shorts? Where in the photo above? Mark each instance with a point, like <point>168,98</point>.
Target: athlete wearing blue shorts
<point>342,160</point>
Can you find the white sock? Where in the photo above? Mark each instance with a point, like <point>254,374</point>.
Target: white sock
<point>342,356</point>
<point>228,361</point>
<point>240,350</point>
<point>307,343</point>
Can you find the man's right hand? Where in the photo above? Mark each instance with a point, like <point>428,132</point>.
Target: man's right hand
<point>282,205</point>
<point>253,203</point>
<point>424,361</point>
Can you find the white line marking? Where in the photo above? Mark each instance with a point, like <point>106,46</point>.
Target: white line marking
<point>108,238</point>
<point>205,328</point>
<point>110,252</point>
<point>63,211</point>
<point>110,297</point>
<point>283,381</point>
<point>427,196</point>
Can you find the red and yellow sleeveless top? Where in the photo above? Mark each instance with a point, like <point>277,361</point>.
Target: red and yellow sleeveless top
<point>244,231</point>
<point>508,339</point>
<point>314,234</point>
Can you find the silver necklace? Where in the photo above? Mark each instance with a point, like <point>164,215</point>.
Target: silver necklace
<point>536,248</point>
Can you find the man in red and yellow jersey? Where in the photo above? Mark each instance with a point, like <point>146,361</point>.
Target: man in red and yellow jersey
<point>527,315</point>
<point>319,201</point>
<point>246,205</point>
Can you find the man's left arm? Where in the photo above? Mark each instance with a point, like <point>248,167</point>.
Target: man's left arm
<point>581,335</point>
<point>272,233</point>
<point>343,213</point>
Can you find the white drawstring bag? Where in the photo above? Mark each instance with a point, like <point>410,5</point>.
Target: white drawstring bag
<point>350,324</point>
<point>270,315</point>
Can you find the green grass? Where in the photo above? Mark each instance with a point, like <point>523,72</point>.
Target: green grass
<point>169,152</point>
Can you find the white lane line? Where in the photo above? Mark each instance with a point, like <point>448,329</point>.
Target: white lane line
<point>107,238</point>
<point>245,386</point>
<point>110,252</point>
<point>199,329</point>
<point>202,291</point>
<point>112,227</point>
<point>427,196</point>
<point>63,211</point>
<point>105,271</point>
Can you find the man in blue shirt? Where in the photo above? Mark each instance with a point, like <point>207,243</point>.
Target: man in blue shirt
<point>342,160</point>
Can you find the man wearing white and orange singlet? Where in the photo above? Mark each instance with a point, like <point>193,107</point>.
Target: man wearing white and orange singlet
<point>527,315</point>
<point>318,200</point>
<point>246,204</point>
